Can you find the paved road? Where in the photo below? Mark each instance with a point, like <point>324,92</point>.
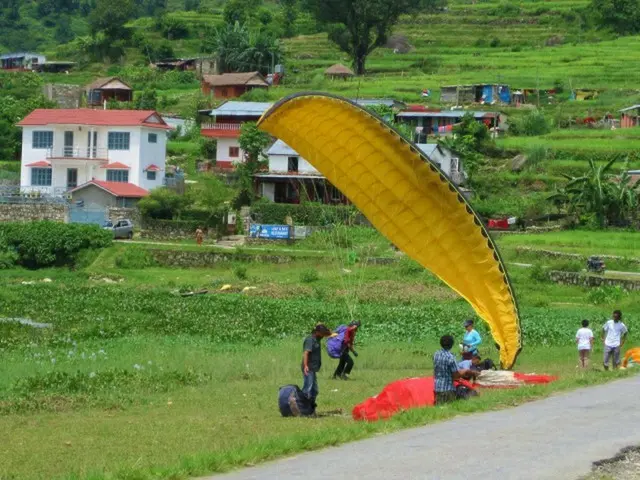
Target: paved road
<point>555,438</point>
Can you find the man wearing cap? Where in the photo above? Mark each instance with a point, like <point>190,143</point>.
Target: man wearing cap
<point>346,362</point>
<point>470,341</point>
<point>312,361</point>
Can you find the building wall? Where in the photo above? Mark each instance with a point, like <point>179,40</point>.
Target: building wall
<point>223,160</point>
<point>280,163</point>
<point>268,191</point>
<point>151,153</point>
<point>32,212</point>
<point>93,195</point>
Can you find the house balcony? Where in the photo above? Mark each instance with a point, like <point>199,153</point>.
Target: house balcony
<point>78,153</point>
<point>220,130</point>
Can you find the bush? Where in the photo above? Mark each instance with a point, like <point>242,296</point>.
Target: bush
<point>134,258</point>
<point>44,244</point>
<point>309,276</point>
<point>409,266</point>
<point>240,271</point>
<point>532,123</point>
<point>311,214</point>
<point>607,295</point>
<point>162,203</point>
<point>537,154</point>
<point>537,273</point>
<point>8,258</point>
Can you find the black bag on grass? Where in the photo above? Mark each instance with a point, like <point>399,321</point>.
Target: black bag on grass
<point>293,403</point>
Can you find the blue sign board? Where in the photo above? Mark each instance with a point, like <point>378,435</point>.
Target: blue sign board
<point>277,232</point>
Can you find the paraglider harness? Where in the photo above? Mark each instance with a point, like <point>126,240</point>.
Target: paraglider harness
<point>595,264</point>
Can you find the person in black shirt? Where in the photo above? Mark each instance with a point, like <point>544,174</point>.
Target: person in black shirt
<point>312,361</point>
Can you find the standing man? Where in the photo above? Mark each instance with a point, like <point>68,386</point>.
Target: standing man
<point>445,371</point>
<point>614,333</point>
<point>346,362</point>
<point>312,361</point>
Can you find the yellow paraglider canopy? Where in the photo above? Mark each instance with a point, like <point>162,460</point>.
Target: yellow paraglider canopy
<point>406,197</point>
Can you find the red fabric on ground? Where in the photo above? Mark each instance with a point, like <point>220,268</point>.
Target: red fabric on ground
<point>534,379</point>
<point>396,396</point>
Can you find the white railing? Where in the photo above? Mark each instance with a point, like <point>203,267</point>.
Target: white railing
<point>78,152</point>
<point>221,126</point>
<point>33,194</point>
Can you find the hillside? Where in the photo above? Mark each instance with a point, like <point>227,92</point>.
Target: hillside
<point>535,44</point>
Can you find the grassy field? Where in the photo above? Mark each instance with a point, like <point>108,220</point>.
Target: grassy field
<point>134,380</point>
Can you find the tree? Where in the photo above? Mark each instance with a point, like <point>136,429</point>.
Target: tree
<point>240,11</point>
<point>148,100</point>
<point>63,33</point>
<point>212,195</point>
<point>191,5</point>
<point>253,142</point>
<point>622,16</point>
<point>290,14</point>
<point>358,27</point>
<point>600,194</point>
<point>110,17</point>
<point>163,203</point>
<point>242,50</point>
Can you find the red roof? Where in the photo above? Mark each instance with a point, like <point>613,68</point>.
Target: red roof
<point>85,116</point>
<point>152,168</point>
<point>117,189</point>
<point>41,164</point>
<point>116,166</point>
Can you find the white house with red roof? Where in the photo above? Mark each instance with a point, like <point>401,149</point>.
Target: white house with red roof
<point>65,149</point>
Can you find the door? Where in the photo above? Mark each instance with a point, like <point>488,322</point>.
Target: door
<point>92,144</point>
<point>68,144</point>
<point>72,178</point>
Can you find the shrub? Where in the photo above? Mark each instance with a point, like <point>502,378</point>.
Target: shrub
<point>309,276</point>
<point>134,258</point>
<point>409,266</point>
<point>607,295</point>
<point>240,271</point>
<point>308,213</point>
<point>532,123</point>
<point>8,258</point>
<point>495,42</point>
<point>537,154</point>
<point>537,273</point>
<point>44,244</point>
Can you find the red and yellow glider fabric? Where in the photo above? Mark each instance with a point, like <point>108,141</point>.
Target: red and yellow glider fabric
<point>633,356</point>
<point>406,197</point>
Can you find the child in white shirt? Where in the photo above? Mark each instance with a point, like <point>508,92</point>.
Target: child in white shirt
<point>584,340</point>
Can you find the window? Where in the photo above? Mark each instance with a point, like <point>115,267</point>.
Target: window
<point>42,139</point>
<point>117,176</point>
<point>292,164</point>
<point>41,177</point>
<point>153,138</point>
<point>455,165</point>
<point>151,176</point>
<point>223,92</point>
<point>119,140</point>
<point>234,152</point>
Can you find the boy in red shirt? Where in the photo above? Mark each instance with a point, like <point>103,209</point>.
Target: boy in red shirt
<point>346,362</point>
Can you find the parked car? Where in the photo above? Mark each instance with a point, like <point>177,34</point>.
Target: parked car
<point>121,229</point>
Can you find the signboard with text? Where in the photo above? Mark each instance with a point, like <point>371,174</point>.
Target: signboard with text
<point>274,232</point>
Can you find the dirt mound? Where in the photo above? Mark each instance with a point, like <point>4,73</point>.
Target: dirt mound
<point>399,44</point>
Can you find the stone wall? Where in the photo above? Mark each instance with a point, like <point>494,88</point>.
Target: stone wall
<point>575,256</point>
<point>173,230</point>
<point>66,96</point>
<point>118,213</point>
<point>570,278</point>
<point>29,212</point>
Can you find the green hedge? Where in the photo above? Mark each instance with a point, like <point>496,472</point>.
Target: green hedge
<point>45,244</point>
<point>312,214</point>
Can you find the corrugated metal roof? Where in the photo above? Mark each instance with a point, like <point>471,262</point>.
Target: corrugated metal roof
<point>366,102</point>
<point>85,116</point>
<point>448,114</point>
<point>281,148</point>
<point>20,55</point>
<point>633,107</point>
<point>117,189</point>
<point>241,109</point>
<point>235,79</point>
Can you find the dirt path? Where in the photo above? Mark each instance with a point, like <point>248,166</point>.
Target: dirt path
<point>555,438</point>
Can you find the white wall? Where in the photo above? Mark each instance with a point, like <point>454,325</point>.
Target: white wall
<point>269,191</point>
<point>222,150</point>
<point>151,153</point>
<point>280,163</point>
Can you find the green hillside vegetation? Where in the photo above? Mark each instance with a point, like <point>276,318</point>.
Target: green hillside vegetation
<point>551,45</point>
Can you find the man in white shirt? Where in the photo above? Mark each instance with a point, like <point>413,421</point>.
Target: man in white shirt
<point>614,333</point>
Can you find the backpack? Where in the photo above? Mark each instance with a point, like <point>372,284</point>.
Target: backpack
<point>486,364</point>
<point>293,403</point>
<point>334,344</point>
<point>463,392</point>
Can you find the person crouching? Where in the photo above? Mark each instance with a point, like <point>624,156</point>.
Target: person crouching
<point>445,371</point>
